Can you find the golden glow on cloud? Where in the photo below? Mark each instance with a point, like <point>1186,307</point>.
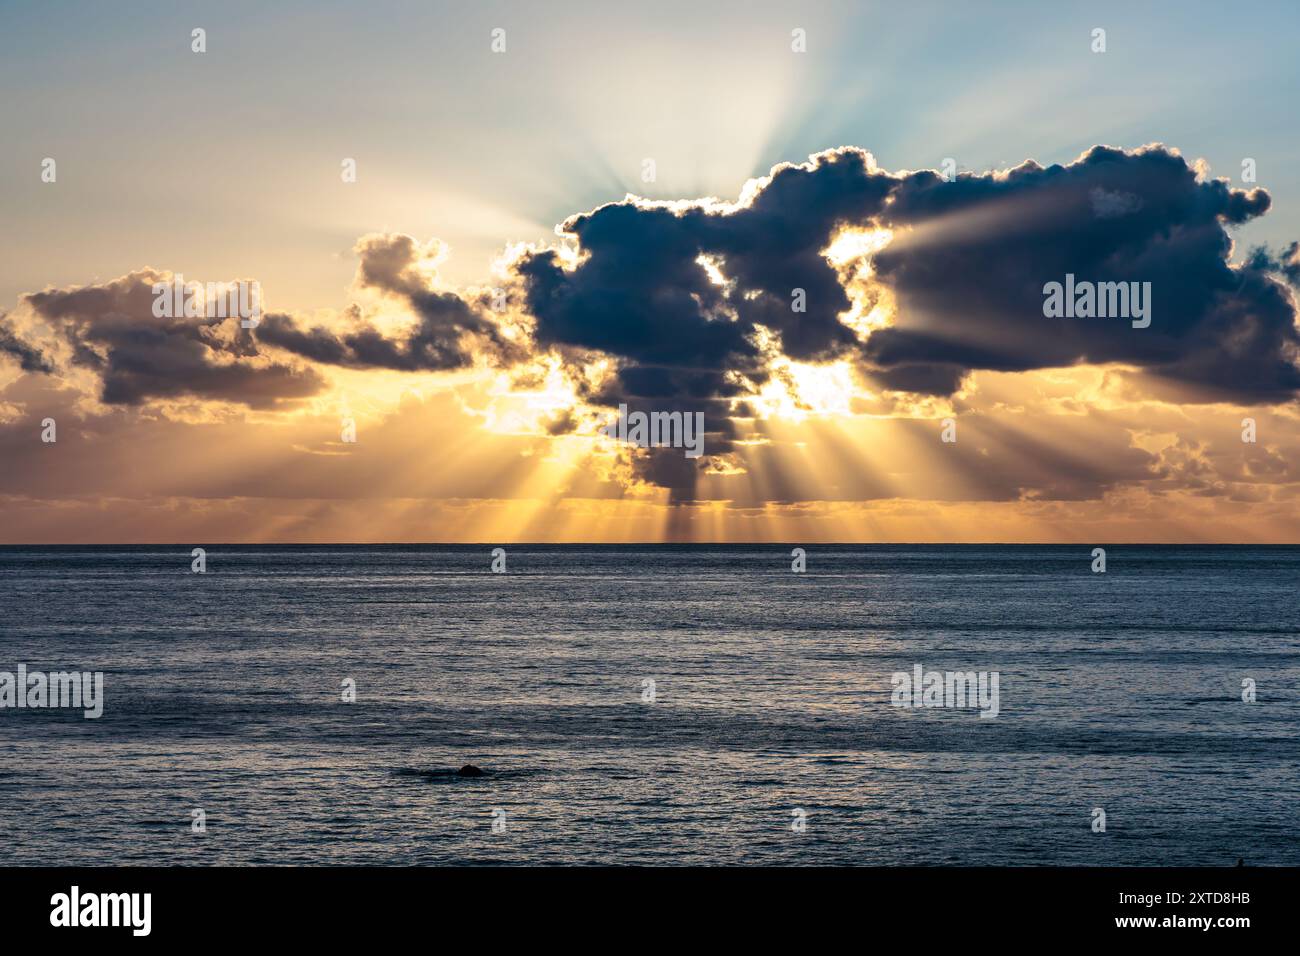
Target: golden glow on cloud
<point>872,304</point>
<point>855,244</point>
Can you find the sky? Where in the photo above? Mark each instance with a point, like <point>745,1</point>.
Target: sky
<point>825,228</point>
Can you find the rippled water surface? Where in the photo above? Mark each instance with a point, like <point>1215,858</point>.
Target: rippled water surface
<point>224,692</point>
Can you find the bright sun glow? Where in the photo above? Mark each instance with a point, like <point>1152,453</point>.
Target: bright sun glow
<point>797,390</point>
<point>850,253</point>
<point>528,402</point>
<point>854,244</point>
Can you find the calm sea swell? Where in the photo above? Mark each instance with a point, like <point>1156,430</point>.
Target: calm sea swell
<point>1120,691</point>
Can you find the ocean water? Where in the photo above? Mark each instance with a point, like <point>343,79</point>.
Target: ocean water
<point>223,692</point>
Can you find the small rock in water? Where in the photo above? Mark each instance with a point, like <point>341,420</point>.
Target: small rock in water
<point>469,770</point>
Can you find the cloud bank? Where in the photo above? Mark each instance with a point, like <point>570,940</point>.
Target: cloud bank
<point>915,281</point>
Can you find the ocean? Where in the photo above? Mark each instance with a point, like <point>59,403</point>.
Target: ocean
<point>652,705</point>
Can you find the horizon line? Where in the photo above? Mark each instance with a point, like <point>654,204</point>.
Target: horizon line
<point>640,544</point>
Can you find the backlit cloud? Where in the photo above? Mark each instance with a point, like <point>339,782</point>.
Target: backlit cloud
<point>823,323</point>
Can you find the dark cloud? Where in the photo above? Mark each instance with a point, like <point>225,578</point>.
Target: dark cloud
<point>1286,263</point>
<point>643,294</point>
<point>450,332</point>
<point>30,358</point>
<point>429,347</point>
<point>111,329</point>
<point>642,297</point>
<point>318,343</point>
<point>972,298</point>
<point>687,343</point>
<point>967,268</point>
